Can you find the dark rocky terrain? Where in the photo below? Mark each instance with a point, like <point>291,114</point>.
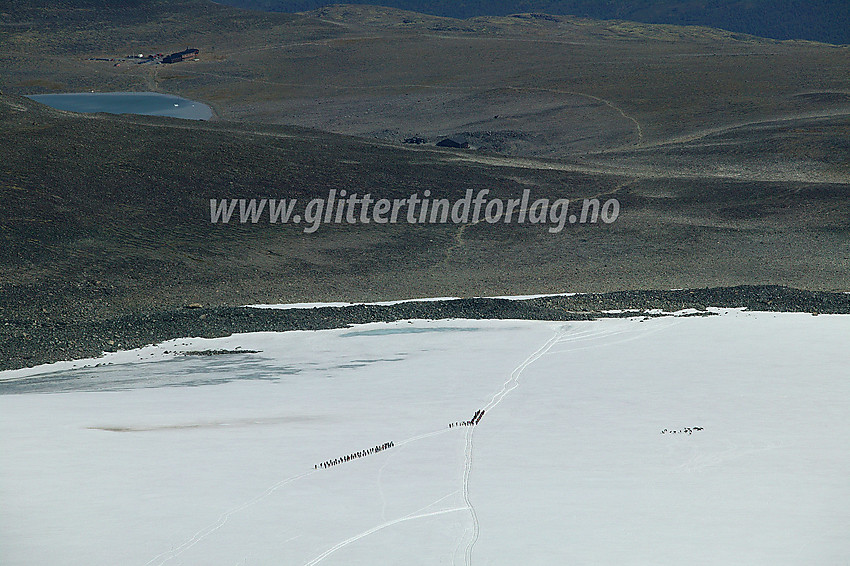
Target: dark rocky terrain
<point>48,342</point>
<point>729,156</point>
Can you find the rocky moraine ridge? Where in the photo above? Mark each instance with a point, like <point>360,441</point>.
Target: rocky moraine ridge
<point>26,343</point>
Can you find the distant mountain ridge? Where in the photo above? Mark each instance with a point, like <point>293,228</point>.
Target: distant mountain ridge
<point>816,20</point>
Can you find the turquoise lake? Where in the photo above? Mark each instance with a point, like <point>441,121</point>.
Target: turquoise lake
<point>146,103</point>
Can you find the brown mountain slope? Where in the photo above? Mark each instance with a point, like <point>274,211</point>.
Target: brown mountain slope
<point>728,156</point>
<point>520,86</point>
<point>106,214</point>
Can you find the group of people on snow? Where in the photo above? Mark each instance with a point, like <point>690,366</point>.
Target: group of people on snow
<point>686,430</point>
<point>476,418</point>
<point>352,456</point>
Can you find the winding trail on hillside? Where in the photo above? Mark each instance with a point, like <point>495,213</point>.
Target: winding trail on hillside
<point>605,101</point>
<point>616,107</point>
<point>686,138</point>
<point>460,243</point>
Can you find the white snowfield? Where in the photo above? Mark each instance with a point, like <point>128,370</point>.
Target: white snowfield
<point>286,306</point>
<point>670,441</point>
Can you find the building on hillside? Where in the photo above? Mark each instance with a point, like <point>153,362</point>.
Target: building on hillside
<point>181,56</point>
<point>454,141</point>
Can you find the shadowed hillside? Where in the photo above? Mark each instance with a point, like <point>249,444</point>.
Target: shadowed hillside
<point>517,86</point>
<point>123,220</point>
<point>728,156</point>
<point>825,20</point>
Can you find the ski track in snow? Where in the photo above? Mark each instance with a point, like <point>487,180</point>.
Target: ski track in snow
<point>410,517</point>
<point>513,381</point>
<point>467,468</point>
<point>509,385</point>
<point>734,456</point>
<point>207,531</point>
<point>561,336</point>
<point>592,336</point>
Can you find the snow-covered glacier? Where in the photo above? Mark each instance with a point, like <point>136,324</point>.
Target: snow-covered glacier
<point>673,440</point>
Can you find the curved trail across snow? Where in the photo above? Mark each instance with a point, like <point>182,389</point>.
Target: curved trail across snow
<point>509,385</point>
<point>561,335</point>
<point>418,514</point>
<point>164,557</point>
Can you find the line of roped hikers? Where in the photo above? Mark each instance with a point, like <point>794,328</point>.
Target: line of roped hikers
<point>352,456</point>
<point>686,430</point>
<point>476,418</point>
